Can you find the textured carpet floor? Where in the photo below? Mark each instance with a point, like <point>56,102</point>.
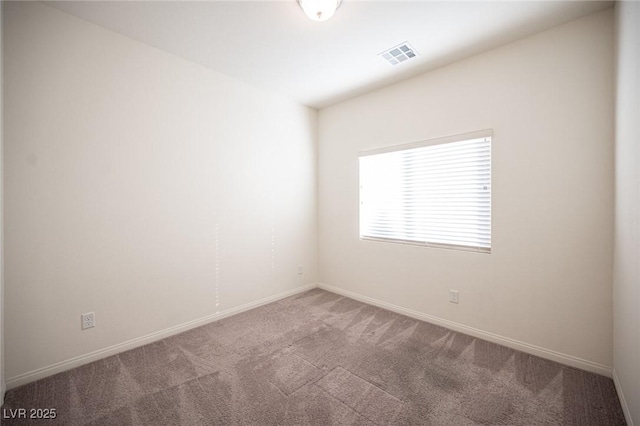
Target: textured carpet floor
<point>322,359</point>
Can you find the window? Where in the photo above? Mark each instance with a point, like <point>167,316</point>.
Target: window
<point>433,193</point>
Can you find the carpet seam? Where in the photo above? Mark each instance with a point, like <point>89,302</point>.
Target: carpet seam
<point>366,381</point>
<point>347,406</point>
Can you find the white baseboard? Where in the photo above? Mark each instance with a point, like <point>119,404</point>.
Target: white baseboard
<point>623,401</point>
<point>570,360</point>
<point>58,367</point>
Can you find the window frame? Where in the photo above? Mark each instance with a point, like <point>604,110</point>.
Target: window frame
<point>487,133</point>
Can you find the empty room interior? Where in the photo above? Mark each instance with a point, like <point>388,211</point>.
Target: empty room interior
<point>320,212</point>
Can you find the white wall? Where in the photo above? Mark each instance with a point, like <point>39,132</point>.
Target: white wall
<point>626,284</point>
<point>131,176</point>
<point>548,280</point>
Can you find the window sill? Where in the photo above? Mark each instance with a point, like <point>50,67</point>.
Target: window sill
<point>483,250</point>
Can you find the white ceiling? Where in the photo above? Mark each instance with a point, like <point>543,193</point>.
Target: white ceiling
<point>273,45</point>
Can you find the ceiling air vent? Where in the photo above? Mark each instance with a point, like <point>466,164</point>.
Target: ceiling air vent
<point>399,53</point>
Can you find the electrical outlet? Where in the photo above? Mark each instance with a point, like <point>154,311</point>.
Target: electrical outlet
<point>88,320</point>
<point>299,269</point>
<point>454,296</point>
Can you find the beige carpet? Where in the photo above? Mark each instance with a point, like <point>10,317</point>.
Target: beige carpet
<point>322,359</point>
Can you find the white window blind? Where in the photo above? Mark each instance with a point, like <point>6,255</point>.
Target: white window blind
<point>435,193</point>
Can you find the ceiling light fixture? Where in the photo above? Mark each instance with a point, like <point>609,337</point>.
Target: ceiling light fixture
<point>319,10</point>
